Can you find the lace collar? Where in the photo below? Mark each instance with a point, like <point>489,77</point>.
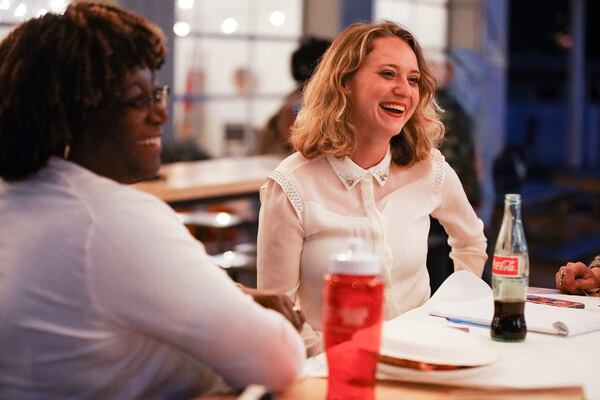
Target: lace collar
<point>350,173</point>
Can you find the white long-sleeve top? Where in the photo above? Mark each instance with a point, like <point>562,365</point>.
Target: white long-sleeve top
<point>104,294</point>
<point>309,208</point>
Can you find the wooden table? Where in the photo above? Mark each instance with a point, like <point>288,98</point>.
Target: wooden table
<point>316,389</point>
<point>186,183</point>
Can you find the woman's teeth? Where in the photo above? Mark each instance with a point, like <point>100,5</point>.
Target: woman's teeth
<point>149,142</point>
<point>397,108</point>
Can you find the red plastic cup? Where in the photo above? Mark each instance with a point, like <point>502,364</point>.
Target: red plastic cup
<point>352,318</point>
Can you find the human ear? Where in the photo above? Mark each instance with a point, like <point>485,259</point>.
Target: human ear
<point>346,86</point>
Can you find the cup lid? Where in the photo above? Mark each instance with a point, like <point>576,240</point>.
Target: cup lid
<point>356,260</point>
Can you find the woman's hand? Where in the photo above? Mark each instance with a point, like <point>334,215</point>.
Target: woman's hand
<point>277,302</point>
<point>575,278</point>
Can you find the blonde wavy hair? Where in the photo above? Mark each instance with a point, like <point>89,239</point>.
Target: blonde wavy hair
<point>323,125</point>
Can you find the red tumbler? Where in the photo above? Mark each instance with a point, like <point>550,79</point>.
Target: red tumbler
<point>352,318</point>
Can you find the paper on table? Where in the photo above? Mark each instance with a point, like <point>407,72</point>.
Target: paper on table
<point>539,317</point>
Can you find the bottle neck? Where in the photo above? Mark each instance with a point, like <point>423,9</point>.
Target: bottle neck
<point>511,238</point>
<point>512,210</point>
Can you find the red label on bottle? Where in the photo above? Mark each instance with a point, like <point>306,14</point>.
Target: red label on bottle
<point>507,266</point>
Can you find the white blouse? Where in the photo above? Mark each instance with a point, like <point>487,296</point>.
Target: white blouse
<point>311,207</point>
<point>104,294</point>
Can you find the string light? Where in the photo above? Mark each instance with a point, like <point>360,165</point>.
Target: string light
<point>57,6</point>
<point>229,25</point>
<point>185,4</point>
<point>20,10</point>
<point>277,18</point>
<point>181,28</point>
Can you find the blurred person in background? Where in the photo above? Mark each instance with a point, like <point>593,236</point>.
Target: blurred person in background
<point>104,294</point>
<point>274,137</point>
<point>458,146</point>
<point>366,166</point>
<point>458,149</point>
<point>578,278</point>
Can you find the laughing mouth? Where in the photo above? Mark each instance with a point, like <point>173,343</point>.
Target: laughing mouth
<point>151,142</point>
<point>393,108</point>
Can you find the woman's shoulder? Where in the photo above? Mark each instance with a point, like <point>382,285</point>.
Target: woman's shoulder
<point>104,197</point>
<point>431,169</point>
<point>296,161</point>
<point>436,156</point>
<point>434,161</point>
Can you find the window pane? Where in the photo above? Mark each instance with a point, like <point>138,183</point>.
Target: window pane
<point>4,30</point>
<point>215,65</point>
<point>214,16</point>
<point>426,19</point>
<point>276,17</point>
<point>271,62</point>
<point>224,127</point>
<point>13,12</point>
<point>232,81</point>
<point>263,17</point>
<point>430,26</point>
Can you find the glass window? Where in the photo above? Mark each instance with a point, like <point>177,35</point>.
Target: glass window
<point>226,126</point>
<point>426,19</point>
<point>13,12</point>
<point>231,61</point>
<point>232,68</point>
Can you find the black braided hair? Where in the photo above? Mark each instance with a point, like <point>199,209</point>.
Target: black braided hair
<point>55,69</point>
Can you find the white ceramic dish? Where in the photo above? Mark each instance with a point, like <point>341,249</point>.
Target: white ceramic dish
<point>391,372</point>
<point>434,344</point>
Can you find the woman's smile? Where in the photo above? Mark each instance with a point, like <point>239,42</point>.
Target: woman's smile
<point>384,91</point>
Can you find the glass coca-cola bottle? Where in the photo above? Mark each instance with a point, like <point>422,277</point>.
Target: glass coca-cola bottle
<point>352,318</point>
<point>510,275</point>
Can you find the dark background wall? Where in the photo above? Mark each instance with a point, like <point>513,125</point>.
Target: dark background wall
<point>539,86</point>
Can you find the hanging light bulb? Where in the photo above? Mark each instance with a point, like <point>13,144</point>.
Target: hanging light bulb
<point>181,28</point>
<point>4,4</point>
<point>57,6</point>
<point>20,10</point>
<point>229,25</point>
<point>185,4</point>
<point>277,18</point>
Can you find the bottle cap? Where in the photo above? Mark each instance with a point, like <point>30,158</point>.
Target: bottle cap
<point>512,197</point>
<point>355,261</point>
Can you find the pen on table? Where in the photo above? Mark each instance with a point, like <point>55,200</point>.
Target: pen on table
<point>465,322</point>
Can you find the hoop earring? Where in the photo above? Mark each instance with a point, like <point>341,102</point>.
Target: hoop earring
<point>66,151</point>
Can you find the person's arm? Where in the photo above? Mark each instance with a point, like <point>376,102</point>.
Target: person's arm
<point>148,274</point>
<point>277,302</point>
<point>464,228</point>
<point>576,278</point>
<point>280,241</point>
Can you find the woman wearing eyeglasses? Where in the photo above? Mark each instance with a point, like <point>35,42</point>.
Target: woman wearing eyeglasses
<point>103,293</point>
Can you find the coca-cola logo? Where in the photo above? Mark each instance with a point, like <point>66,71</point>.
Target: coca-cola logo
<point>505,266</point>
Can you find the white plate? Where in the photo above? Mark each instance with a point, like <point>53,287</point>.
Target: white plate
<point>386,371</point>
<point>434,344</point>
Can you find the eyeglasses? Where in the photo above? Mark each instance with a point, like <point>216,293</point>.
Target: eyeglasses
<point>159,96</point>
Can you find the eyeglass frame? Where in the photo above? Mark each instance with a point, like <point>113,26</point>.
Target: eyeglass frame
<point>159,96</point>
